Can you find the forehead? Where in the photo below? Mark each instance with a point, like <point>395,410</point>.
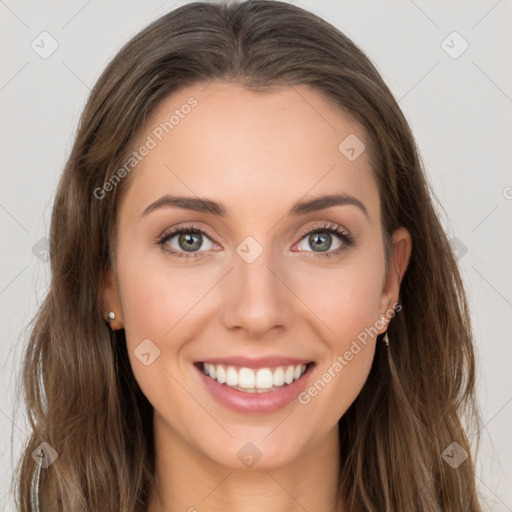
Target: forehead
<point>250,149</point>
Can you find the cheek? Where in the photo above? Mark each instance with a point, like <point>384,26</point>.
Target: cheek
<point>157,302</point>
<point>350,309</point>
<point>347,305</point>
<point>344,298</point>
<point>169,307</point>
<point>163,306</point>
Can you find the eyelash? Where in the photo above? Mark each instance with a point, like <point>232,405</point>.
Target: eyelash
<point>344,235</point>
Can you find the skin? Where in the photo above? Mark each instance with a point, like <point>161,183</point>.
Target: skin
<point>258,154</point>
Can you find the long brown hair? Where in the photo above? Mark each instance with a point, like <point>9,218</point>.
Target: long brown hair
<point>80,393</point>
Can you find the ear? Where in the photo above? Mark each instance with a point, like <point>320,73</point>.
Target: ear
<point>111,301</point>
<point>400,255</point>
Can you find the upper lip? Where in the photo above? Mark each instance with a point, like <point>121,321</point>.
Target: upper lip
<point>256,362</point>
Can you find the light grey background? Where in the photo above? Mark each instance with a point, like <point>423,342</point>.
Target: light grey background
<point>460,110</point>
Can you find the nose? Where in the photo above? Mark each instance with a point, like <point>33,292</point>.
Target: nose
<point>257,297</point>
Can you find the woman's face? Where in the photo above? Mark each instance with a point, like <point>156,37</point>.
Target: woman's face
<point>256,293</point>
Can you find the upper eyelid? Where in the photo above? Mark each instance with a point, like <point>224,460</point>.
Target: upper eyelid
<point>323,225</point>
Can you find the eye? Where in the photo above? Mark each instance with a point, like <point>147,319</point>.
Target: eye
<point>320,238</point>
<point>185,241</point>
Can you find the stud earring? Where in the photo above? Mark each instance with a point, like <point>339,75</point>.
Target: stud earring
<point>383,322</point>
<point>111,316</point>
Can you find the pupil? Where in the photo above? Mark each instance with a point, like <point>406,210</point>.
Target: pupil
<point>323,239</point>
<point>188,240</point>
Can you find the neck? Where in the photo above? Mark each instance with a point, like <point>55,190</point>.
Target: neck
<point>188,481</point>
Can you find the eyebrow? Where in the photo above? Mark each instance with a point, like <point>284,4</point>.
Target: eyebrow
<point>204,205</point>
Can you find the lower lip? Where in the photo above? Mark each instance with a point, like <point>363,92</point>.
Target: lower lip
<point>266,402</point>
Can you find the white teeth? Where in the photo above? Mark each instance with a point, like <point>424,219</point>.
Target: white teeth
<point>254,381</point>
<point>264,379</point>
<point>246,378</point>
<point>278,377</point>
<point>221,374</point>
<point>288,375</point>
<point>231,377</point>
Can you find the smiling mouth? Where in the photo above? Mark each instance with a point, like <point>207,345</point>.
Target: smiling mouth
<point>249,380</point>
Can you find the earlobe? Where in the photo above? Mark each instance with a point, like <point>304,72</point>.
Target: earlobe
<point>111,303</point>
